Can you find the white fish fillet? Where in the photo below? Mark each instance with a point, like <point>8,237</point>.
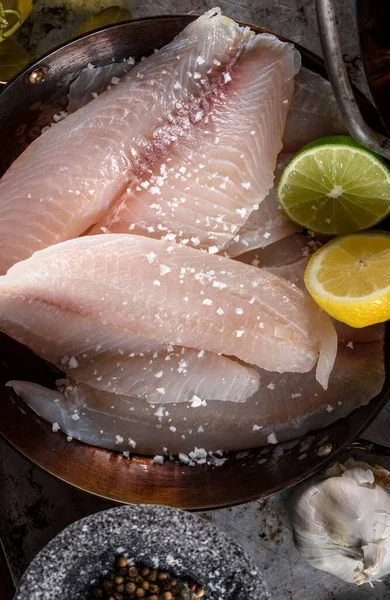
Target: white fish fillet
<point>183,374</point>
<point>288,258</point>
<point>313,112</point>
<point>93,81</point>
<point>64,182</point>
<point>287,405</point>
<point>284,252</point>
<point>222,163</point>
<point>81,291</point>
<point>265,225</point>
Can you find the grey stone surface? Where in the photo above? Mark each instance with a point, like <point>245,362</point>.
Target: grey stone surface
<point>34,506</point>
<point>155,536</point>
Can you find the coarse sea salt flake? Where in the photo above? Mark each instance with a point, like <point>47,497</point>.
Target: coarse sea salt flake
<point>207,301</point>
<point>158,375</point>
<point>160,390</point>
<point>220,311</point>
<point>118,439</point>
<point>271,386</point>
<point>200,354</point>
<point>172,428</point>
<point>272,439</point>
<point>200,60</point>
<point>73,364</point>
<point>239,333</point>
<point>213,249</point>
<point>256,427</point>
<point>55,427</point>
<point>239,311</point>
<point>164,270</point>
<point>75,417</point>
<point>150,257</point>
<point>156,282</point>
<point>350,345</point>
<point>246,185</point>
<point>196,401</point>
<point>177,85</point>
<point>227,77</point>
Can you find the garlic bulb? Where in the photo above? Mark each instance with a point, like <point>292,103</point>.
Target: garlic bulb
<point>341,522</point>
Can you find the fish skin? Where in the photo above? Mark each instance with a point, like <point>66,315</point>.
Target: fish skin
<point>64,182</point>
<point>357,377</point>
<point>313,113</point>
<point>265,320</point>
<point>222,164</point>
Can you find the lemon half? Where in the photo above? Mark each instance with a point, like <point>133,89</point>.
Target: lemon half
<point>349,278</point>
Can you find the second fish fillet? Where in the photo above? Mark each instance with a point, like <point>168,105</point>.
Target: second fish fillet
<point>155,293</point>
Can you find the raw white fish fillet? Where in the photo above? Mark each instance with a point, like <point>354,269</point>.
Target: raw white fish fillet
<point>313,112</point>
<point>284,252</point>
<point>265,225</point>
<point>71,295</point>
<point>287,405</point>
<point>122,360</point>
<point>93,81</point>
<point>288,258</point>
<point>164,376</point>
<point>64,182</point>
<point>226,144</point>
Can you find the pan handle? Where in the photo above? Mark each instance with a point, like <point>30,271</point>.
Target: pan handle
<point>370,447</point>
<point>341,85</point>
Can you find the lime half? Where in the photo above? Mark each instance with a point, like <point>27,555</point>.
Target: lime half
<point>334,186</point>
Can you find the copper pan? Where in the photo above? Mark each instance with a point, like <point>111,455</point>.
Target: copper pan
<point>27,104</point>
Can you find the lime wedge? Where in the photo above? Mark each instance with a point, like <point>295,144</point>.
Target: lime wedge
<point>334,186</point>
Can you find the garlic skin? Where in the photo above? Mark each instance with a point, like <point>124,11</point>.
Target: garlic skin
<point>341,522</point>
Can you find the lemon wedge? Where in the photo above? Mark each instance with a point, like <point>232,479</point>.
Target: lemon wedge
<point>349,278</point>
